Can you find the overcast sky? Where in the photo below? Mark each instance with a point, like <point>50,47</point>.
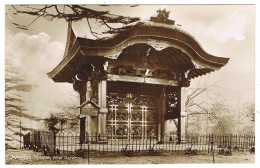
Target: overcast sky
<point>222,30</point>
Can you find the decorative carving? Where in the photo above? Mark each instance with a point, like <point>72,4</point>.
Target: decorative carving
<point>109,129</point>
<point>140,80</point>
<point>113,56</point>
<point>136,116</point>
<point>150,116</point>
<point>138,100</point>
<point>116,99</point>
<point>123,70</point>
<point>121,130</point>
<point>173,83</point>
<point>121,116</point>
<point>142,72</point>
<point>172,101</point>
<point>99,76</point>
<point>162,17</point>
<point>164,74</point>
<point>172,109</point>
<point>136,130</point>
<point>185,81</point>
<point>163,14</point>
<point>151,131</point>
<point>113,77</point>
<point>158,44</point>
<point>143,80</point>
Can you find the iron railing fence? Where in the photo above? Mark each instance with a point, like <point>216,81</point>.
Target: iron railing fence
<point>68,143</point>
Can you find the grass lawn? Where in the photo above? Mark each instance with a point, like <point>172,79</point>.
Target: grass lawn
<point>28,157</point>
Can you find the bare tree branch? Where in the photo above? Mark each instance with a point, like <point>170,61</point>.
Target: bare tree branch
<point>73,13</point>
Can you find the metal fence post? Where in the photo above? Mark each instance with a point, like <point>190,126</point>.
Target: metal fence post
<point>212,141</point>
<point>208,143</point>
<point>54,142</point>
<point>88,152</point>
<point>138,143</point>
<point>213,157</point>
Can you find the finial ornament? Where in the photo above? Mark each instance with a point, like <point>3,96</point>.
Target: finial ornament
<point>163,13</point>
<point>162,17</point>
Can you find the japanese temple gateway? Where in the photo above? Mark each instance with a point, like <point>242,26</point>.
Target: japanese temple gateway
<point>134,82</point>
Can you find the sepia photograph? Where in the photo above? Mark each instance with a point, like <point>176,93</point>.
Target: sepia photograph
<point>129,84</point>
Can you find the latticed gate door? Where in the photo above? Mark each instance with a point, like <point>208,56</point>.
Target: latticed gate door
<point>131,114</point>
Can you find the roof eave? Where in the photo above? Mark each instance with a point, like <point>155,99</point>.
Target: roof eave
<point>115,45</point>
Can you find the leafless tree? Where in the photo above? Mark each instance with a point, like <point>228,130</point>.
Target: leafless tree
<point>247,119</point>
<point>65,118</point>
<point>15,110</point>
<point>72,13</point>
<point>205,108</point>
<point>224,122</point>
<point>249,111</point>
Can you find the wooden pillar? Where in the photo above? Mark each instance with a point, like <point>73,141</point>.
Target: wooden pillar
<point>102,94</point>
<point>82,120</point>
<point>92,121</point>
<point>163,108</point>
<point>183,115</point>
<point>161,112</point>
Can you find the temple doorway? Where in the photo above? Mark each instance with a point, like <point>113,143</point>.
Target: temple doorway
<point>133,111</point>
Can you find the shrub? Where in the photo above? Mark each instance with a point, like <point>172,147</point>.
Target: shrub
<point>81,153</point>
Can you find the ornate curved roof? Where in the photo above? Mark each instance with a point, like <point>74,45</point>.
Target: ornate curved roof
<point>165,45</point>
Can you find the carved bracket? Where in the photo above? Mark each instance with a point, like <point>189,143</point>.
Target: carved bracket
<point>185,81</point>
